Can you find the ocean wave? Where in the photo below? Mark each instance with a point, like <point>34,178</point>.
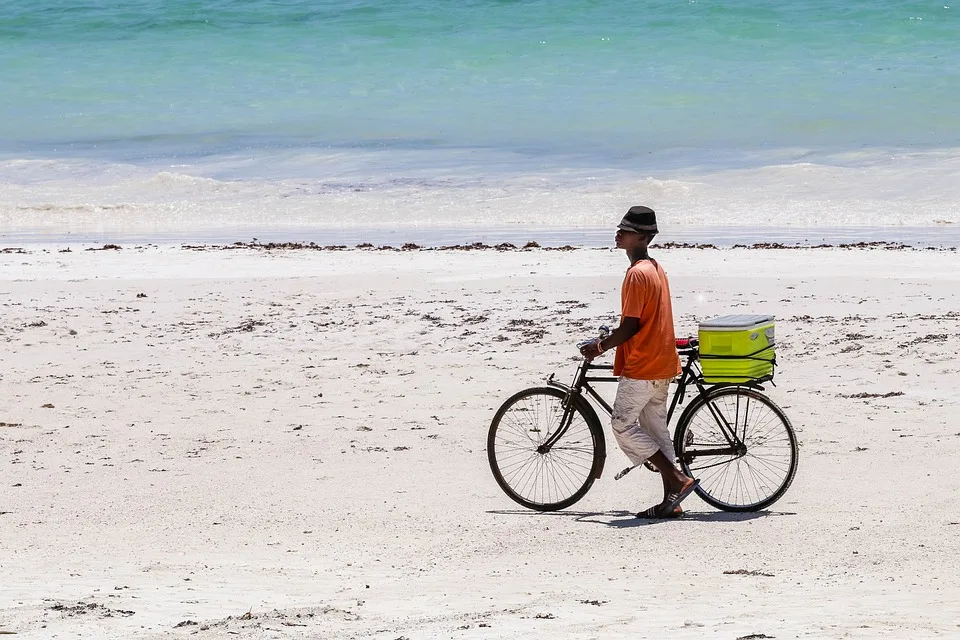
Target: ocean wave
<point>885,188</point>
<point>183,181</point>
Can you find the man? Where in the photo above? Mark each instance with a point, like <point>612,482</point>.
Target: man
<point>646,361</point>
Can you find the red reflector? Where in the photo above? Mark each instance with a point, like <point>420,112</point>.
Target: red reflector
<point>682,343</point>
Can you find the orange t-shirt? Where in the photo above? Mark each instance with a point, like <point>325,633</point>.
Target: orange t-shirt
<point>651,354</point>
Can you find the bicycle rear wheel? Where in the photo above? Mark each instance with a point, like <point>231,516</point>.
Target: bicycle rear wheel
<point>737,478</point>
<point>545,480</point>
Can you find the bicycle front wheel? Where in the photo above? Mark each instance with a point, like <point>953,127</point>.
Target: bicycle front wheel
<point>747,471</point>
<point>539,478</point>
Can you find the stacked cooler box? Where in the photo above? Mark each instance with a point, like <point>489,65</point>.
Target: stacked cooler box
<point>737,348</point>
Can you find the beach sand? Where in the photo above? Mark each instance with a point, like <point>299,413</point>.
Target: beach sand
<point>291,444</point>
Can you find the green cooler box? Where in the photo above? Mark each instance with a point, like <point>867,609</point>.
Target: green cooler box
<point>737,348</point>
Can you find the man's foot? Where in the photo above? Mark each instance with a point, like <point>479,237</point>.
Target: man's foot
<point>658,512</point>
<point>674,498</point>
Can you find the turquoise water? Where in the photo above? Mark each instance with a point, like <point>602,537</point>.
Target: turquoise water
<point>541,77</point>
<point>382,95</point>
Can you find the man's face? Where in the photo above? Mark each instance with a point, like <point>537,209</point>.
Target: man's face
<point>631,240</point>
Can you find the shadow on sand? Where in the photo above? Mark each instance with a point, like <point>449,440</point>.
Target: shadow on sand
<point>626,519</point>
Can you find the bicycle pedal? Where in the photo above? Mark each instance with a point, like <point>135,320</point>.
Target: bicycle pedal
<point>623,473</point>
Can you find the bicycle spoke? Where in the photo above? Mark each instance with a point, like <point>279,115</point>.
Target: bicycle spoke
<point>538,476</point>
<point>764,461</point>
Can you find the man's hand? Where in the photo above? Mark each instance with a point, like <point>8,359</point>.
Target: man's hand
<point>591,350</point>
<point>627,329</point>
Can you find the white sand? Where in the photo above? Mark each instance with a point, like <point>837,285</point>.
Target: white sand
<point>325,470</point>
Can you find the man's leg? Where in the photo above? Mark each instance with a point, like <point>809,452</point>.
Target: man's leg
<point>632,397</point>
<point>653,420</point>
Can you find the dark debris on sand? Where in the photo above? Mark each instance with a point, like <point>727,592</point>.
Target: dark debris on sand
<point>256,245</point>
<point>746,572</point>
<point>407,246</point>
<point>685,245</point>
<point>82,608</point>
<point>880,244</point>
<point>244,327</point>
<point>867,394</point>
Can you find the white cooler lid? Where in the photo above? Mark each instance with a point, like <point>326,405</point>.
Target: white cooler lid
<point>736,321</point>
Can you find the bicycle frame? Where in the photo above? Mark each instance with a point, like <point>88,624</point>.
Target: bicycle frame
<point>690,375</point>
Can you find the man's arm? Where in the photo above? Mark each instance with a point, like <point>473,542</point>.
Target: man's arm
<point>627,329</point>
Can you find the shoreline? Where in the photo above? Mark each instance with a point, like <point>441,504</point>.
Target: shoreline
<point>945,236</point>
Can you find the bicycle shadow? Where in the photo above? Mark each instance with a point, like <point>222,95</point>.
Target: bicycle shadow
<point>629,520</point>
<point>626,519</point>
<point>546,514</point>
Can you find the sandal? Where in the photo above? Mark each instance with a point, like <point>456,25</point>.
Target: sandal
<point>657,512</point>
<point>673,500</point>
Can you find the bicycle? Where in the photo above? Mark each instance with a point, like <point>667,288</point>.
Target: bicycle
<point>546,445</point>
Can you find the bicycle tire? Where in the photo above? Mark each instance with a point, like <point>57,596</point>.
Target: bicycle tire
<point>748,482</point>
<point>544,481</point>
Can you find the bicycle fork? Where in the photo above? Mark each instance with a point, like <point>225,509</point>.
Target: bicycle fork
<point>565,422</point>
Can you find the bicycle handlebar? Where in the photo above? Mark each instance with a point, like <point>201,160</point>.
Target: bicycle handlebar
<point>604,332</point>
<point>682,343</point>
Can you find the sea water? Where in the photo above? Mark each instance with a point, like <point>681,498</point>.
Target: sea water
<point>306,119</point>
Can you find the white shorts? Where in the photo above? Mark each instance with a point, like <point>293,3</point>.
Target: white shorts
<point>639,418</point>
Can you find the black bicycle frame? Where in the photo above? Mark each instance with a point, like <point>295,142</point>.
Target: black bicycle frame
<point>690,375</point>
